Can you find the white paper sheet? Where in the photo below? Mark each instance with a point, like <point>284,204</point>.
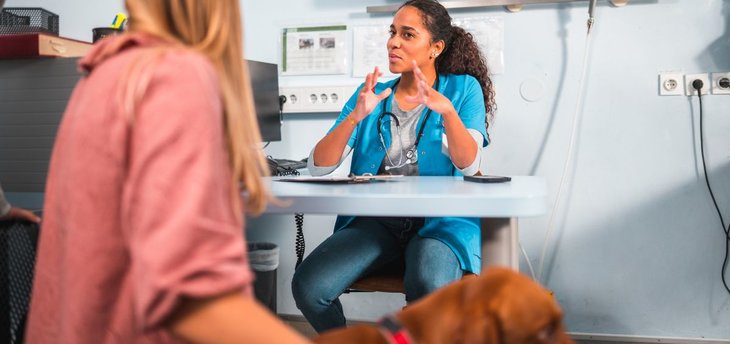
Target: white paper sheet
<point>314,50</point>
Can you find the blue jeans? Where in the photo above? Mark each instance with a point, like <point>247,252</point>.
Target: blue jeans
<point>368,244</point>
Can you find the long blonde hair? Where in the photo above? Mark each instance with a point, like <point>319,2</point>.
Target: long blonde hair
<point>213,29</point>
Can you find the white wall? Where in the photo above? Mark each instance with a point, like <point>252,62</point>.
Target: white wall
<point>639,249</point>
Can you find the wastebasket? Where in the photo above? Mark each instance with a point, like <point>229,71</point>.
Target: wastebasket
<point>264,260</point>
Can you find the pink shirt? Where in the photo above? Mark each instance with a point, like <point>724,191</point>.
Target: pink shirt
<point>136,215</point>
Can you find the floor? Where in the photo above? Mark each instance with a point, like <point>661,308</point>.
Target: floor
<point>299,324</point>
<point>302,326</point>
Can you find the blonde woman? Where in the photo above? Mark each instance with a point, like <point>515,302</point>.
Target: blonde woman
<point>142,238</point>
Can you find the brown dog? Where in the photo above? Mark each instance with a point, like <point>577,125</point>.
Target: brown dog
<point>500,306</point>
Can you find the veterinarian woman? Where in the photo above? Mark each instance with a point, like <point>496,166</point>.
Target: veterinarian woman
<point>431,121</point>
<point>142,239</point>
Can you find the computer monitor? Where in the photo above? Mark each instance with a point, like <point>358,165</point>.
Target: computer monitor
<point>265,85</point>
<point>34,93</point>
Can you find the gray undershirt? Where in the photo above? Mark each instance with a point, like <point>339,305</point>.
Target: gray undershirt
<point>395,161</point>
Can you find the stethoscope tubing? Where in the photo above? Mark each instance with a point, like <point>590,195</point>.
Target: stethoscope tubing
<point>384,113</point>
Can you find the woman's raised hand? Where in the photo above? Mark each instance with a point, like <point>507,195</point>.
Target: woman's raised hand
<point>428,96</point>
<point>367,100</point>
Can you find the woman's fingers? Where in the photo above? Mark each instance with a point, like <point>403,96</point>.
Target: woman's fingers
<point>418,72</point>
<point>386,92</point>
<point>371,79</point>
<point>423,93</point>
<point>368,82</point>
<point>376,74</point>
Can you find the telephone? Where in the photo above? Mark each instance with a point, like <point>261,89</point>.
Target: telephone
<point>286,167</point>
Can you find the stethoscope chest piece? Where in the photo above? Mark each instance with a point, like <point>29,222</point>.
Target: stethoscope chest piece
<point>412,155</point>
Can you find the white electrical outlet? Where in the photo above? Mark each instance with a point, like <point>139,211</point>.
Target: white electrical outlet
<point>671,84</point>
<point>721,83</point>
<point>316,99</point>
<point>690,78</point>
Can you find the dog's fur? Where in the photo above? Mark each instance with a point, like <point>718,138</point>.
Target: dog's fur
<point>501,306</point>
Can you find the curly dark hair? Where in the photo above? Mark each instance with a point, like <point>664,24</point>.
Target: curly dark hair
<point>461,53</point>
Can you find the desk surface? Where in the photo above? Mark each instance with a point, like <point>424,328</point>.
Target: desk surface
<point>414,196</point>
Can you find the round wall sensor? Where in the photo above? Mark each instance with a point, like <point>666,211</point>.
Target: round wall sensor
<point>618,3</point>
<point>532,90</point>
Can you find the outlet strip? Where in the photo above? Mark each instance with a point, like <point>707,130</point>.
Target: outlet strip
<point>316,99</point>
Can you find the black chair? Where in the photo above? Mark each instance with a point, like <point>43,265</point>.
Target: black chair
<point>18,240</point>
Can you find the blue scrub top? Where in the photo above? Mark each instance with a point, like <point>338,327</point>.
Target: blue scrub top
<point>461,234</point>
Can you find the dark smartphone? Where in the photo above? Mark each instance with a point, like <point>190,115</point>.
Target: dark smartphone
<point>487,179</point>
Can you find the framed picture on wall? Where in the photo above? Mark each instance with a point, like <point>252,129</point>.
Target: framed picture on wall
<point>317,50</point>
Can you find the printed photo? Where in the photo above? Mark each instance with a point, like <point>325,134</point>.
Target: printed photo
<point>306,43</point>
<point>327,42</point>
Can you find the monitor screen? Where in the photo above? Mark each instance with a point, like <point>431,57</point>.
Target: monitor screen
<point>265,86</point>
<point>34,93</point>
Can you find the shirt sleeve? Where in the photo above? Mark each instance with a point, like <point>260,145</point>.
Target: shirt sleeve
<point>475,165</point>
<point>184,237</point>
<point>472,111</point>
<point>325,170</point>
<point>4,205</point>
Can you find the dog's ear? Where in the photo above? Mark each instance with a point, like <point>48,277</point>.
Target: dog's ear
<point>527,313</point>
<point>480,322</point>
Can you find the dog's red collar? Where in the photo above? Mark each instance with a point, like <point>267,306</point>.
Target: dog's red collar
<point>393,331</point>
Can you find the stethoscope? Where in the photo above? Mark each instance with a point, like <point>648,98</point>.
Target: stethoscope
<point>411,156</point>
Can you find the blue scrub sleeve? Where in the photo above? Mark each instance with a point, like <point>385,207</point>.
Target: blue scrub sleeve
<point>472,111</point>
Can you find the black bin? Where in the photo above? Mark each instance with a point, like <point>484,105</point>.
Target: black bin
<point>264,260</point>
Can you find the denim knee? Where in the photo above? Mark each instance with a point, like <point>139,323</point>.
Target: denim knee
<point>304,290</point>
<point>430,264</point>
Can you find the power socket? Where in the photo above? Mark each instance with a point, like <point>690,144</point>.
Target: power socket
<point>671,84</point>
<point>691,91</point>
<point>721,83</point>
<point>315,99</point>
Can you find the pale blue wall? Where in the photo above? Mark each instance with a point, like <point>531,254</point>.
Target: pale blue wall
<point>640,248</point>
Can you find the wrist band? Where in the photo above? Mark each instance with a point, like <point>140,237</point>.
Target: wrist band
<point>354,124</point>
